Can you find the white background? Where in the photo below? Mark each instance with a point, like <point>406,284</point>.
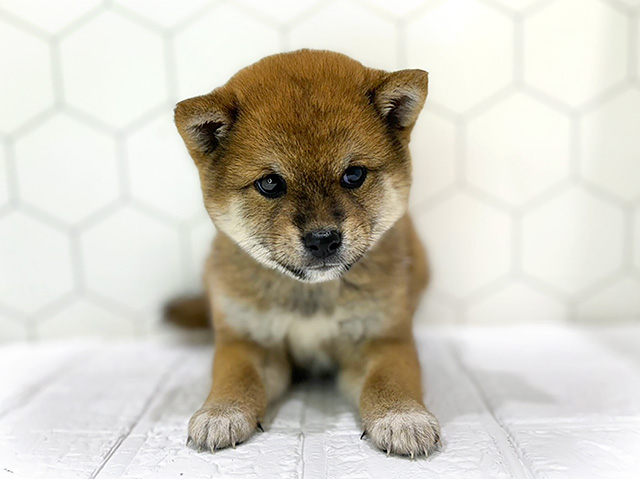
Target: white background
<point>526,157</point>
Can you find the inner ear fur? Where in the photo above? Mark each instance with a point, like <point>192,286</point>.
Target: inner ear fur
<point>401,96</point>
<point>204,121</point>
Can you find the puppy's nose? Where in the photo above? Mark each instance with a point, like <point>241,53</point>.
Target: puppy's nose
<point>322,243</point>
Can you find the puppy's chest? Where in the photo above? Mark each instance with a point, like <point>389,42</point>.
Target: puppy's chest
<point>314,341</point>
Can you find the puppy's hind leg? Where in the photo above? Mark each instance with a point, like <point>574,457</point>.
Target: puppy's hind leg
<point>246,377</point>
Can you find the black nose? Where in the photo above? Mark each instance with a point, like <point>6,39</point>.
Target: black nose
<point>322,243</point>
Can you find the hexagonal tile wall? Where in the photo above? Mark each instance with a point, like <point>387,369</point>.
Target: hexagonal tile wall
<point>4,181</point>
<point>132,259</point>
<point>505,307</point>
<point>432,310</point>
<point>62,160</point>
<point>116,78</point>
<point>12,330</point>
<point>200,70</point>
<point>201,237</point>
<point>433,157</point>
<point>479,38</point>
<point>517,4</point>
<point>620,301</point>
<point>282,11</point>
<point>517,149</point>
<point>526,157</point>
<point>341,26</point>
<point>635,243</point>
<point>27,79</point>
<point>469,244</point>
<point>161,172</point>
<point>610,147</point>
<point>575,64</point>
<point>164,14</point>
<point>397,8</point>
<point>572,241</point>
<point>35,261</point>
<point>82,318</point>
<point>49,16</point>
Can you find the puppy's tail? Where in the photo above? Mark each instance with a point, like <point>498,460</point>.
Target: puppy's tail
<point>189,312</point>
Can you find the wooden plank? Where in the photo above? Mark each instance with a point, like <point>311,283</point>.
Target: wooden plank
<point>567,401</point>
<point>73,425</point>
<point>507,401</point>
<point>313,432</point>
<point>27,368</point>
<point>156,446</point>
<point>550,374</point>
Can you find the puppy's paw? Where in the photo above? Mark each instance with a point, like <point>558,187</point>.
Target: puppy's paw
<point>216,426</point>
<point>412,432</point>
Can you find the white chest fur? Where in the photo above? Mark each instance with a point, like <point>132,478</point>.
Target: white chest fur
<point>311,340</point>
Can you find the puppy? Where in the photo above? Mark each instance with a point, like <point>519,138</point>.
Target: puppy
<point>305,171</point>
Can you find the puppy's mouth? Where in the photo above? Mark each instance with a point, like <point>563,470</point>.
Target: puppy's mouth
<point>327,267</point>
<point>318,272</point>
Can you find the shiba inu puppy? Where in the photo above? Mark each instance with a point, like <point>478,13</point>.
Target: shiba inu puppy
<point>305,171</point>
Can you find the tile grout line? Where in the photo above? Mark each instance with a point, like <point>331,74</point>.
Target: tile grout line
<point>505,443</point>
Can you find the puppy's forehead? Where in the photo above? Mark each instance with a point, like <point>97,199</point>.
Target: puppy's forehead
<point>306,112</point>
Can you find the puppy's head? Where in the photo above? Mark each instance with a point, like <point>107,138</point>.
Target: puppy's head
<point>303,158</point>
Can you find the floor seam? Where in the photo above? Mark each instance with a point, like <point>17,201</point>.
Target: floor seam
<point>524,470</point>
<point>139,416</point>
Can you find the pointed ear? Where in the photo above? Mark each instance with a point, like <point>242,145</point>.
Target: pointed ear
<point>401,96</point>
<point>204,121</point>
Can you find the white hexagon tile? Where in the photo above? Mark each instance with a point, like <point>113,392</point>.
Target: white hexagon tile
<point>205,59</point>
<point>35,261</point>
<point>4,181</point>
<point>115,78</point>
<point>575,64</point>
<point>281,11</point>
<point>344,26</point>
<point>201,236</point>
<point>517,149</point>
<point>573,240</point>
<point>467,48</point>
<point>506,306</point>
<point>433,154</point>
<point>148,266</point>
<point>609,145</point>
<point>12,329</point>
<point>618,302</point>
<point>164,14</point>
<point>49,16</point>
<point>161,172</point>
<point>27,78</point>
<point>398,8</point>
<point>83,318</point>
<point>62,160</point>
<point>469,244</point>
<point>526,157</point>
<point>635,235</point>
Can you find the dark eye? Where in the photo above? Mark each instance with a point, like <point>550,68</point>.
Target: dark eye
<point>353,177</point>
<point>271,186</point>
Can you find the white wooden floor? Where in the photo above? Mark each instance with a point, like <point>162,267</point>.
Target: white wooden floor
<point>540,402</point>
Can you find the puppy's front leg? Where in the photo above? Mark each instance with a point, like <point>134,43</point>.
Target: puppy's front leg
<point>388,389</point>
<point>245,377</point>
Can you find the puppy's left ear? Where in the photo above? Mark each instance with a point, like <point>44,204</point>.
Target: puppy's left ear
<point>401,96</point>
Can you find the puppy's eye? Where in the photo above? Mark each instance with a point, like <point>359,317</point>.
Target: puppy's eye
<point>353,177</point>
<point>271,186</point>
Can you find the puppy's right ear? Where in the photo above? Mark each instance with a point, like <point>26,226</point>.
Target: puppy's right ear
<point>205,121</point>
